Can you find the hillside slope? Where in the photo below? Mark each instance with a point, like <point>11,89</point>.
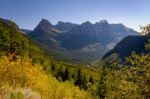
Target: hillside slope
<point>126,46</point>
<point>13,42</point>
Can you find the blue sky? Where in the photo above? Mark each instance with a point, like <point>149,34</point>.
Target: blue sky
<point>27,13</point>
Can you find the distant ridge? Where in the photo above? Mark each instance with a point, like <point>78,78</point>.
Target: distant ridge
<point>65,26</point>
<point>126,46</point>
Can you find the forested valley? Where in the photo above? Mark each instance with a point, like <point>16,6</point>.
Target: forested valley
<point>27,72</point>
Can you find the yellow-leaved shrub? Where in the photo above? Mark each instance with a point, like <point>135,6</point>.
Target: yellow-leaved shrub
<point>22,74</point>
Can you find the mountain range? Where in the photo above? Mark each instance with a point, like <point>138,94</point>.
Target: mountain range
<point>79,42</point>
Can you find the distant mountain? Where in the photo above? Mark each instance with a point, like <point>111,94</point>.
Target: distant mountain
<point>108,36</point>
<point>26,31</point>
<point>80,36</point>
<point>100,32</point>
<point>65,26</point>
<point>84,42</point>
<point>45,34</point>
<point>122,31</point>
<point>44,27</point>
<point>126,46</point>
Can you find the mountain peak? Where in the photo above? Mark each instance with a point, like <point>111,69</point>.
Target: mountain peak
<point>45,27</point>
<point>103,21</point>
<point>87,23</point>
<point>45,22</point>
<point>102,24</point>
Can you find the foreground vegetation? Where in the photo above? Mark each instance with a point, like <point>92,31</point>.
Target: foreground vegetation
<point>129,79</point>
<point>21,79</point>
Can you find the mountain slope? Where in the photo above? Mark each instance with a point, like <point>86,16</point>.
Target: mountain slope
<point>9,23</point>
<point>122,31</point>
<point>26,31</point>
<point>80,36</point>
<point>126,46</point>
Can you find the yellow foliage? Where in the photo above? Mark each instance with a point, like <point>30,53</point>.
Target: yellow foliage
<point>22,74</point>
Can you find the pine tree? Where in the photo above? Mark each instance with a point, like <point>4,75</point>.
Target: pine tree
<point>91,80</point>
<point>67,74</point>
<point>79,79</point>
